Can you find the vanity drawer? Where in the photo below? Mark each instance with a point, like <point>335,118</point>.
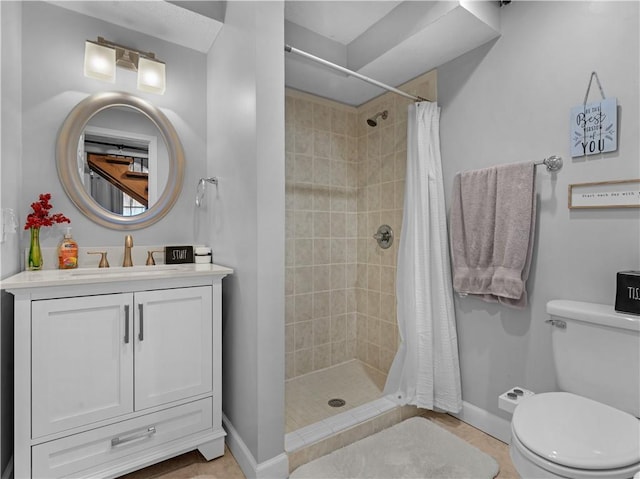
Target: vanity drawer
<point>80,454</point>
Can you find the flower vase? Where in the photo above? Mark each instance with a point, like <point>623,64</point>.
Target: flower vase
<point>35,253</point>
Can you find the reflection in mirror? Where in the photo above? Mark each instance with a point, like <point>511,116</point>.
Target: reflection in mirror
<point>116,176</point>
<point>122,169</point>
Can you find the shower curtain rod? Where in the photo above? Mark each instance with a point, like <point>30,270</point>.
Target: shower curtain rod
<point>290,49</point>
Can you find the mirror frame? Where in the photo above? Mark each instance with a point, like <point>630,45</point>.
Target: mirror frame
<point>67,163</point>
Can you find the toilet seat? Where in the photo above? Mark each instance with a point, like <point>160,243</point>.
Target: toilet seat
<point>573,436</point>
<point>530,465</point>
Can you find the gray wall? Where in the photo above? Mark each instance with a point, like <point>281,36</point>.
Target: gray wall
<point>506,101</point>
<point>10,147</point>
<point>509,101</point>
<point>243,78</point>
<point>11,122</point>
<point>53,82</point>
<point>41,80</point>
<point>246,152</point>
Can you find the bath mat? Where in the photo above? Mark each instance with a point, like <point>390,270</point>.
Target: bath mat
<point>415,448</point>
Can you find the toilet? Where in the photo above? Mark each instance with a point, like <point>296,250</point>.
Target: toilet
<point>591,428</point>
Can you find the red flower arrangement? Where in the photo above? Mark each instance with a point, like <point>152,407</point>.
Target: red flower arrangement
<point>41,217</point>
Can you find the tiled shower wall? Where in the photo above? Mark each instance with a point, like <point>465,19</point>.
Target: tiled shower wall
<point>321,235</point>
<point>344,179</point>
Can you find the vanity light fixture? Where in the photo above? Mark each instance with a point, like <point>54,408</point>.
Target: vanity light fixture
<point>99,62</point>
<point>151,76</point>
<point>102,56</point>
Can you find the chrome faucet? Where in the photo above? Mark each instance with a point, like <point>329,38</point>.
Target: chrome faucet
<point>128,244</point>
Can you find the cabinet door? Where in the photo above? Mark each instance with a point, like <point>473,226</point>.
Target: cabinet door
<point>173,345</point>
<point>82,361</point>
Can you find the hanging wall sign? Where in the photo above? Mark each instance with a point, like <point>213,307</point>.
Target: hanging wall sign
<point>605,194</point>
<point>594,128</point>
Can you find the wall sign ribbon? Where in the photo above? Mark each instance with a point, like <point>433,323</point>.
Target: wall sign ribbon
<point>594,126</point>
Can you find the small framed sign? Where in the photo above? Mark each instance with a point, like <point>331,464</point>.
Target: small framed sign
<point>594,128</point>
<point>605,194</point>
<point>178,254</point>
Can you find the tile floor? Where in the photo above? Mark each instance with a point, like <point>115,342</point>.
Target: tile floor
<point>306,397</point>
<point>306,403</point>
<point>488,444</point>
<point>193,466</point>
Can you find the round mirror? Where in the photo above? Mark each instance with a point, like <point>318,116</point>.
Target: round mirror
<point>120,160</point>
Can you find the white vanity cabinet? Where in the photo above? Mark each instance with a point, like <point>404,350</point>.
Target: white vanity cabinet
<point>117,374</point>
<point>81,370</point>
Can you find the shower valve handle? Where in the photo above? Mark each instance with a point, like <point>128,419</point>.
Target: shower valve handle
<point>384,236</point>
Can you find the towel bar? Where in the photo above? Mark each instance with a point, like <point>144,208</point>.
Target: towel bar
<point>553,163</point>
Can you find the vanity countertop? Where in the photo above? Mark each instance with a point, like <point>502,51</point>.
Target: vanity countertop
<point>64,277</point>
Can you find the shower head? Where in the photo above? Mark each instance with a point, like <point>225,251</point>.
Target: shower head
<point>372,121</point>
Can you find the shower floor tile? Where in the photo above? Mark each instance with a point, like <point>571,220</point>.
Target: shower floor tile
<point>307,397</point>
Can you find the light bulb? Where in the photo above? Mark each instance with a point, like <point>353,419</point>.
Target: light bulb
<point>99,62</point>
<point>151,76</point>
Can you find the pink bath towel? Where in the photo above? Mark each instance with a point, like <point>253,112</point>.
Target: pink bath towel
<point>492,224</point>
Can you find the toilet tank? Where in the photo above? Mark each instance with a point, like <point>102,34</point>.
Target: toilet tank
<point>597,354</point>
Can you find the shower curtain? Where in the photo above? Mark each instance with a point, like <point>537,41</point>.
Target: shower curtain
<point>425,371</point>
<point>106,195</point>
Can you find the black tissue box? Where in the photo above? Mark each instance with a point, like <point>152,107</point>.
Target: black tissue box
<point>628,292</point>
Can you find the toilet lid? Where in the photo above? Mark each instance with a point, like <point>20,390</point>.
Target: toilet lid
<point>577,432</point>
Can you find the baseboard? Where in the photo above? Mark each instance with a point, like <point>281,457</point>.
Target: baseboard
<point>275,468</point>
<point>485,421</point>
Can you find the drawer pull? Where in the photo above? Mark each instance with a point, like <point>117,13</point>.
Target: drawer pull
<point>126,324</point>
<point>141,333</point>
<point>118,441</point>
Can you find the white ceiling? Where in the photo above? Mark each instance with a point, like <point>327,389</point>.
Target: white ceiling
<point>337,20</point>
<point>390,41</point>
<point>157,18</point>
